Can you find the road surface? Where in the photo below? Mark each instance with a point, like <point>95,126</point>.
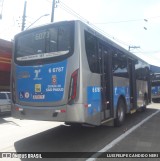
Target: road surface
<point>40,136</point>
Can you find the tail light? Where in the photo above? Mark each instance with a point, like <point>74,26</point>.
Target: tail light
<point>73,87</point>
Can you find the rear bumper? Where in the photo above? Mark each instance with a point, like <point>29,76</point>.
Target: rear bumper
<point>63,113</point>
<point>5,108</point>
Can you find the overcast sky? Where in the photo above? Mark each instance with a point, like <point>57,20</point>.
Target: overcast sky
<point>121,20</point>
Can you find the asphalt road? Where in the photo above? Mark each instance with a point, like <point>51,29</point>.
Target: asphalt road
<point>39,136</point>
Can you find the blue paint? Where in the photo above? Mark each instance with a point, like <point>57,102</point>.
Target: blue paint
<point>156,90</point>
<point>93,99</point>
<point>124,91</point>
<point>42,83</point>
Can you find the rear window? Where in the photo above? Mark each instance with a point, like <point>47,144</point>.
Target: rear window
<point>2,96</point>
<point>45,44</point>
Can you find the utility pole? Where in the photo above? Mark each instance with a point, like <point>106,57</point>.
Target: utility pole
<point>1,7</point>
<point>52,14</point>
<point>24,16</point>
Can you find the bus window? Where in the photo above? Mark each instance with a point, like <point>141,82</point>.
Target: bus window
<point>48,44</point>
<point>59,39</point>
<point>119,65</point>
<point>52,42</point>
<point>142,71</point>
<point>91,51</point>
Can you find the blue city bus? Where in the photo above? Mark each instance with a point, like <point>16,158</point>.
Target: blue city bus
<point>68,72</point>
<point>155,87</point>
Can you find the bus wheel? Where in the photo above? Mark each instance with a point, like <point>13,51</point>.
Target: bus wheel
<point>120,114</point>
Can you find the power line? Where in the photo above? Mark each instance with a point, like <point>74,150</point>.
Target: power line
<point>72,12</point>
<point>125,21</point>
<point>69,10</point>
<point>151,52</point>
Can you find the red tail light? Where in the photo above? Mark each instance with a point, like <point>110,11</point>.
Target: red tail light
<point>73,86</point>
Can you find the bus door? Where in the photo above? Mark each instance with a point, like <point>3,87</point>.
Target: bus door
<point>106,81</point>
<point>132,85</point>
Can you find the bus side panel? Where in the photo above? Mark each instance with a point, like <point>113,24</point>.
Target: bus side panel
<point>90,87</point>
<point>76,110</point>
<point>142,88</point>
<point>92,99</point>
<point>121,88</point>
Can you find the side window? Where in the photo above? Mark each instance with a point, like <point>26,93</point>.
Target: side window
<point>2,96</point>
<point>119,65</point>
<point>91,51</point>
<point>138,70</point>
<point>142,71</point>
<point>145,73</point>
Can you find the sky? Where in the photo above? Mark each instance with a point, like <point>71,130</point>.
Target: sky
<point>134,23</point>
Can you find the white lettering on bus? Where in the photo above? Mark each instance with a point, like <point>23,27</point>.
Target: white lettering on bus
<point>42,35</point>
<point>96,89</point>
<point>58,69</point>
<point>55,89</point>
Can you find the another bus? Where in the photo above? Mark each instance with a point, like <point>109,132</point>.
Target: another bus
<point>155,87</point>
<point>68,72</point>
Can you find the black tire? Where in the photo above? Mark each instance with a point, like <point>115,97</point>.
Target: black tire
<point>120,113</point>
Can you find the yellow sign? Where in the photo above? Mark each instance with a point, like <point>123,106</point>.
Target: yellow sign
<point>37,87</point>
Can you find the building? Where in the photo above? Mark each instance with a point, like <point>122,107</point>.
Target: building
<point>5,64</point>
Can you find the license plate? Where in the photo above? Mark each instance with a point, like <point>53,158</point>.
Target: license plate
<point>38,96</point>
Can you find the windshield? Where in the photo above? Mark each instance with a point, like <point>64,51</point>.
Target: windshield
<point>51,42</point>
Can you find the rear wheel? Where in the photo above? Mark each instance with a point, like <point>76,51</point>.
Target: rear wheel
<point>120,114</point>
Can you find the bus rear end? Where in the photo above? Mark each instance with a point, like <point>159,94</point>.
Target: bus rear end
<point>45,74</point>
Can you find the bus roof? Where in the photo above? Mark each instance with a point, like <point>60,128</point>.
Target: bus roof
<point>155,69</point>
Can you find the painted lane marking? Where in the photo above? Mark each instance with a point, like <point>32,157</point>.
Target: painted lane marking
<point>120,138</point>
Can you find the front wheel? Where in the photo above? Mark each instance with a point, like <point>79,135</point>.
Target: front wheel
<point>120,114</point>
